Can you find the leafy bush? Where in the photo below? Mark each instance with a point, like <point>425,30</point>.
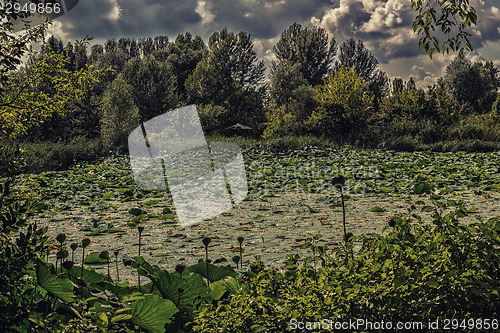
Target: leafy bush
<point>485,127</point>
<point>11,160</point>
<point>18,253</point>
<point>416,271</point>
<point>48,156</point>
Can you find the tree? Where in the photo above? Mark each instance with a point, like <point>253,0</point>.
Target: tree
<point>495,108</point>
<point>355,55</point>
<point>96,52</point>
<point>452,17</point>
<point>120,115</point>
<point>473,85</point>
<point>183,55</point>
<point>290,91</point>
<point>405,101</point>
<point>42,90</point>
<point>309,48</point>
<point>14,47</point>
<point>81,58</point>
<point>160,42</point>
<point>344,103</point>
<point>230,76</point>
<point>234,57</point>
<point>153,86</point>
<point>113,61</point>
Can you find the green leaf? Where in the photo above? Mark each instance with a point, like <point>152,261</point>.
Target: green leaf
<point>138,219</point>
<point>89,276</point>
<point>120,317</point>
<point>218,289</point>
<point>432,283</point>
<point>152,313</point>
<point>136,211</point>
<point>108,195</point>
<point>167,210</point>
<point>93,258</point>
<point>215,273</point>
<point>377,209</point>
<point>61,288</point>
<point>426,209</point>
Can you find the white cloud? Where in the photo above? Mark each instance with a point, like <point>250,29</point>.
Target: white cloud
<point>204,11</point>
<point>115,12</point>
<point>423,78</point>
<point>59,30</point>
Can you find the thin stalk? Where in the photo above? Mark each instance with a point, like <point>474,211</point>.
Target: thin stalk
<point>343,215</point>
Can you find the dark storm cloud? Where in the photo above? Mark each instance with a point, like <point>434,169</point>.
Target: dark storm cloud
<point>264,19</point>
<point>116,18</point>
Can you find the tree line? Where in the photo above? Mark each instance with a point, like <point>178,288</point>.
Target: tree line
<point>316,86</point>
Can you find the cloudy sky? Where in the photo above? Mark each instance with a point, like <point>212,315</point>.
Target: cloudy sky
<point>384,26</point>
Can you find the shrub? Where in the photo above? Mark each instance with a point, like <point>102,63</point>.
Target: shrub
<point>18,253</point>
<point>48,156</point>
<point>416,271</point>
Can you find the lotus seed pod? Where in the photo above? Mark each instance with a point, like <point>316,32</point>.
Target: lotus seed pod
<point>179,268</point>
<point>61,238</point>
<point>67,264</point>
<point>104,255</point>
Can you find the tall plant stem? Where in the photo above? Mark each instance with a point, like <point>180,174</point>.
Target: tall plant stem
<point>343,214</point>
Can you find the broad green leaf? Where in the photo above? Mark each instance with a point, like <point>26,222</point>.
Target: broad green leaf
<point>93,258</point>
<point>89,276</point>
<point>61,288</point>
<point>218,289</point>
<point>152,313</point>
<point>215,273</point>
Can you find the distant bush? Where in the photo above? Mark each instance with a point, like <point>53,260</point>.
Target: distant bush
<point>48,156</point>
<point>485,127</point>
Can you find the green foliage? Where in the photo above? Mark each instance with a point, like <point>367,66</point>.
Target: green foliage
<point>120,115</point>
<point>449,267</point>
<point>183,55</point>
<point>11,160</point>
<point>46,88</point>
<point>20,248</point>
<point>153,313</point>
<point>14,46</point>
<point>472,84</point>
<point>152,85</point>
<point>213,118</point>
<point>356,56</point>
<point>292,101</point>
<point>452,17</point>
<point>39,157</point>
<point>280,123</point>
<point>309,48</point>
<point>495,108</point>
<point>229,76</point>
<point>485,127</point>
<point>344,103</point>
